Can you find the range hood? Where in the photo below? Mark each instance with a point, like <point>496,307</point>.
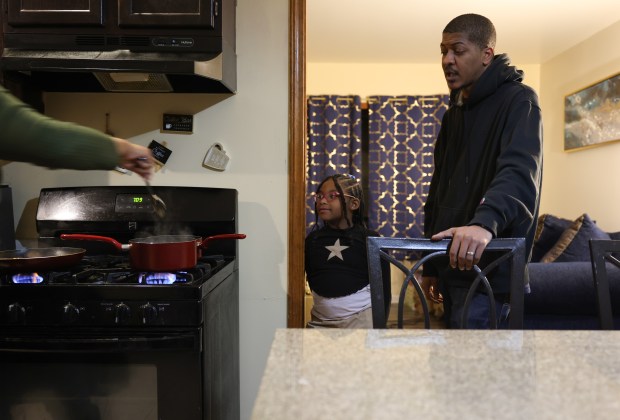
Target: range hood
<point>124,70</point>
<point>124,46</point>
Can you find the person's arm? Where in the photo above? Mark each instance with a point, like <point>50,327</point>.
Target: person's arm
<point>512,195</point>
<point>468,243</point>
<point>29,136</point>
<point>134,157</point>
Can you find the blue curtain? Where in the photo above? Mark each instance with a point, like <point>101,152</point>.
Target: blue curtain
<point>402,134</point>
<point>334,142</point>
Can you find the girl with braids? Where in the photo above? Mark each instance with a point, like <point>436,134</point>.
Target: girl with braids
<point>335,257</point>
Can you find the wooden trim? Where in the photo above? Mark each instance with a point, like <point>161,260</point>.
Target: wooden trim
<point>297,162</point>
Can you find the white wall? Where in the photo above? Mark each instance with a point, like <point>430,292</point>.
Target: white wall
<point>253,128</point>
<point>585,180</point>
<point>367,79</point>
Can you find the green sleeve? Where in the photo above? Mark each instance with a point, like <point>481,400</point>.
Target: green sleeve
<point>28,136</point>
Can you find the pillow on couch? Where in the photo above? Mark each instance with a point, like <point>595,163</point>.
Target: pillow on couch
<point>548,232</point>
<point>573,244</point>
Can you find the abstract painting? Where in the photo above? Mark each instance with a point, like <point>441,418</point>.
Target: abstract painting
<point>592,115</point>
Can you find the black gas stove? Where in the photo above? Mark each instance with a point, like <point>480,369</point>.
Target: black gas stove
<point>103,289</point>
<point>99,315</point>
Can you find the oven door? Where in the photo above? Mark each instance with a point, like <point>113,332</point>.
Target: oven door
<point>90,374</point>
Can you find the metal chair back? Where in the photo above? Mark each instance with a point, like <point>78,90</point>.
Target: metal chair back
<point>379,247</point>
<point>601,251</point>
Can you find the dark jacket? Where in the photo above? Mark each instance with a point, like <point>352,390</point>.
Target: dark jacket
<point>488,160</point>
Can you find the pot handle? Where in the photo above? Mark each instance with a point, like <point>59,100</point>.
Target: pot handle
<point>85,237</point>
<point>208,239</point>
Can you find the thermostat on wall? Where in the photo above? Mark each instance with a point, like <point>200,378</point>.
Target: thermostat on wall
<point>216,158</point>
<point>176,123</point>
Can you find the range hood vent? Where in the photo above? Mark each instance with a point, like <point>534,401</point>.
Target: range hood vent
<point>98,71</point>
<point>134,82</point>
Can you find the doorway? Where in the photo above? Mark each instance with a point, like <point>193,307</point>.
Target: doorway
<point>297,163</point>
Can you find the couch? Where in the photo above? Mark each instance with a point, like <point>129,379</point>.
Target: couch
<point>562,290</point>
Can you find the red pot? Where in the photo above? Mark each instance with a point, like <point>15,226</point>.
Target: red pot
<point>160,253</point>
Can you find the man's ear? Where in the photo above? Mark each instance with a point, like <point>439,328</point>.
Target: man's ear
<point>487,56</point>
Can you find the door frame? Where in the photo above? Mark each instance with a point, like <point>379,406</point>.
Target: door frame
<point>297,163</point>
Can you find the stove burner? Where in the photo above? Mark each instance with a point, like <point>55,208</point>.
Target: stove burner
<point>111,270</point>
<point>29,278</point>
<point>100,272</point>
<point>160,278</point>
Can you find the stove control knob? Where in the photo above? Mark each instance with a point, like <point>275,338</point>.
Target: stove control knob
<point>123,313</point>
<point>16,313</point>
<point>70,313</point>
<point>149,313</point>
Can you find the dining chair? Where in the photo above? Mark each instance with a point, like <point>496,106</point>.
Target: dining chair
<point>601,252</point>
<point>379,248</point>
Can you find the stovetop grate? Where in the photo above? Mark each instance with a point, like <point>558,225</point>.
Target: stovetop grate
<point>115,270</point>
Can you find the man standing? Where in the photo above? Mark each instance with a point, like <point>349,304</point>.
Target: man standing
<point>488,168</point>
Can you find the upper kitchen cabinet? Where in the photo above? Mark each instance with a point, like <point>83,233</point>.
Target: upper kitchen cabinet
<point>99,45</point>
<point>53,12</point>
<point>158,13</point>
<point>168,13</point>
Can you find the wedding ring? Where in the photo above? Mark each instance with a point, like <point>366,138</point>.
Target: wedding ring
<point>469,253</point>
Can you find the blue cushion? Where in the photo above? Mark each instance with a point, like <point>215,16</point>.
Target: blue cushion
<point>548,231</point>
<point>573,244</point>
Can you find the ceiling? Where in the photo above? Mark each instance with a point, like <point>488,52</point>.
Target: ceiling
<point>409,31</point>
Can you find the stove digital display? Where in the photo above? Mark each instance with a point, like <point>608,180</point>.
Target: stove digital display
<point>133,203</point>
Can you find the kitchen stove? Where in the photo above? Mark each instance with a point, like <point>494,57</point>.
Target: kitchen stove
<point>182,325</point>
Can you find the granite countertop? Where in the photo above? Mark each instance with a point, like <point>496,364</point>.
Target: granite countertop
<point>440,374</point>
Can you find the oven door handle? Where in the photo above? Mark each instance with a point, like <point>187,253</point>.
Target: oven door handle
<point>101,344</point>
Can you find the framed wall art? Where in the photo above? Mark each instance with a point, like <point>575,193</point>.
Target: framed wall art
<point>592,115</point>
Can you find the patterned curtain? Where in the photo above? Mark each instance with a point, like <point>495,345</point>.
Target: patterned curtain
<point>334,142</point>
<point>402,134</point>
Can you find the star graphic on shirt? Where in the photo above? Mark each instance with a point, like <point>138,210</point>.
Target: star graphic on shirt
<point>336,250</point>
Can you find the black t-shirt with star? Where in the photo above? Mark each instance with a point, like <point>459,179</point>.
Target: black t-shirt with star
<point>336,261</point>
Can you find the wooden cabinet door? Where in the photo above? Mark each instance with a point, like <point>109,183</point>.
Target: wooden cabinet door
<point>168,13</point>
<point>54,12</point>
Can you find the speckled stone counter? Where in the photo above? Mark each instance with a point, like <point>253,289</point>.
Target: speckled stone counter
<point>440,374</point>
